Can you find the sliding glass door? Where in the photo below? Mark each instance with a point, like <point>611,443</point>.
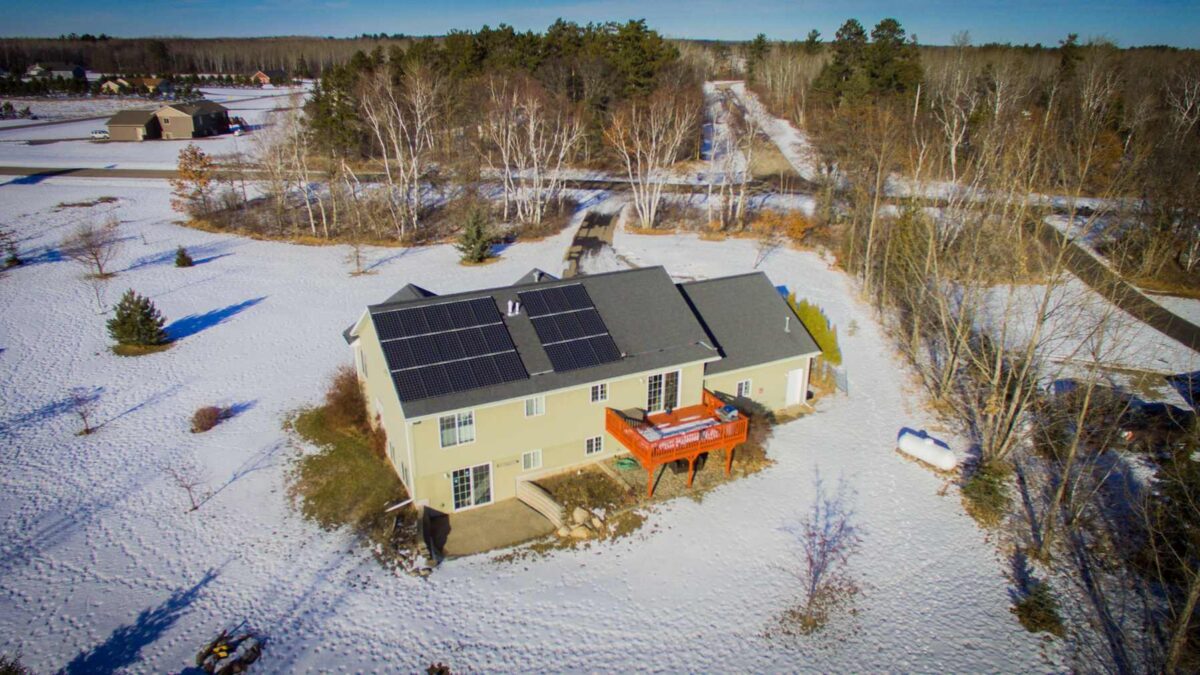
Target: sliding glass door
<point>472,486</point>
<point>662,391</point>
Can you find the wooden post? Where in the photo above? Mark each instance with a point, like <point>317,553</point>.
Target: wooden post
<point>691,469</point>
<point>650,482</point>
<point>728,460</point>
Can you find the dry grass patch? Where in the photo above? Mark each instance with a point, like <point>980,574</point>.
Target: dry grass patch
<point>140,350</point>
<point>589,488</point>
<point>85,204</point>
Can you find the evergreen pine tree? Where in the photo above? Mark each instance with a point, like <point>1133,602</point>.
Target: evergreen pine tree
<point>475,242</point>
<point>182,259</point>
<point>136,321</point>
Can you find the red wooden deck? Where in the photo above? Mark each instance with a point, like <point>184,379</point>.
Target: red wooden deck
<point>685,445</point>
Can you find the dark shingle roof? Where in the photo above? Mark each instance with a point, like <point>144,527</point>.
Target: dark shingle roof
<point>131,118</point>
<point>647,317</point>
<point>197,107</point>
<point>746,316</point>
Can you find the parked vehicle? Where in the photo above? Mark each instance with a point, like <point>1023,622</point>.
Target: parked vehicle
<point>100,135</point>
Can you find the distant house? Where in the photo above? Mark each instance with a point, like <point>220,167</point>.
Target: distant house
<point>151,85</point>
<point>115,86</point>
<point>51,69</point>
<point>270,77</point>
<point>174,121</point>
<point>134,125</point>
<point>193,120</point>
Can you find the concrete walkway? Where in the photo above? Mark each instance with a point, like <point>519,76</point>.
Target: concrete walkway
<point>486,528</point>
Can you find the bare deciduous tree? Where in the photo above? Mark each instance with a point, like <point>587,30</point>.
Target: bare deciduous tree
<point>647,135</point>
<point>188,476</point>
<point>94,246</point>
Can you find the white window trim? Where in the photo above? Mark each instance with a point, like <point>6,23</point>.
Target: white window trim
<point>458,442</point>
<point>491,486</point>
<point>538,402</point>
<point>592,392</point>
<point>749,388</point>
<point>536,453</point>
<point>588,442</point>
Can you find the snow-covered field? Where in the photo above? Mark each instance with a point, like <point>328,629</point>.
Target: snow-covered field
<point>68,145</point>
<point>1185,308</point>
<point>100,567</point>
<point>51,109</point>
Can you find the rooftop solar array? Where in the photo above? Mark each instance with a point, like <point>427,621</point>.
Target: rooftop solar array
<point>446,348</point>
<point>569,327</point>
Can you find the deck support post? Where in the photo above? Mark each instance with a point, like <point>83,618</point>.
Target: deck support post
<point>728,460</point>
<point>650,482</point>
<point>691,469</point>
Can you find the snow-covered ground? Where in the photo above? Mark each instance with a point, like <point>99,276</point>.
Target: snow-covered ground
<point>97,553</point>
<point>792,142</point>
<point>68,145</point>
<point>50,109</point>
<point>1185,308</point>
<point>719,146</point>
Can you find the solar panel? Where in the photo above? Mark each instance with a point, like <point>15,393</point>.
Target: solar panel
<point>570,329</point>
<point>447,347</point>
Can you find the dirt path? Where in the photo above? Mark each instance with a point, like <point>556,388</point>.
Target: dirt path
<point>594,233</point>
<point>1120,292</point>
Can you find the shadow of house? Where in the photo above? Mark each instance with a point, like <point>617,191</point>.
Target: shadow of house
<point>195,323</point>
<point>124,646</point>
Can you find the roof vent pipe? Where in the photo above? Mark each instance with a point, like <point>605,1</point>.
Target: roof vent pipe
<point>787,324</point>
<point>510,308</point>
<point>537,276</point>
<point>516,306</point>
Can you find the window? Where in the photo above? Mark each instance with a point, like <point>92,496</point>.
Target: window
<point>594,445</point>
<point>472,486</point>
<point>457,429</point>
<point>662,391</point>
<point>535,406</point>
<point>599,392</point>
<point>743,389</point>
<point>531,460</point>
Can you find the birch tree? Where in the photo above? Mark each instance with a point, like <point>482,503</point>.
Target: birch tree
<point>647,136</point>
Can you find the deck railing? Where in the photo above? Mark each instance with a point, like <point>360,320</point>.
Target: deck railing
<point>719,436</point>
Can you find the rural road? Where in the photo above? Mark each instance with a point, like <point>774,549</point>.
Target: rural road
<point>596,231</point>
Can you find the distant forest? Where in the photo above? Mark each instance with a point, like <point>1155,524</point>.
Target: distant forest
<point>300,56</point>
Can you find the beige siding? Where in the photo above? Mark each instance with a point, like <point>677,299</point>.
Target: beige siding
<point>503,433</point>
<point>125,133</point>
<point>382,401</point>
<point>768,383</point>
<point>175,124</point>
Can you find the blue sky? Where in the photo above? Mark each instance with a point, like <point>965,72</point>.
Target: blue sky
<point>1128,22</point>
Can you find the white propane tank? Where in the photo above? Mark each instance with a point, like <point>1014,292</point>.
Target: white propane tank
<point>927,450</point>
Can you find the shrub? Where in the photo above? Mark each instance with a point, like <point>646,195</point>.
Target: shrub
<point>182,259</point>
<point>345,405</point>
<point>1038,611</point>
<point>475,242</point>
<point>819,326</point>
<point>985,495</point>
<point>136,321</point>
<point>12,259</point>
<point>206,418</point>
<point>11,665</point>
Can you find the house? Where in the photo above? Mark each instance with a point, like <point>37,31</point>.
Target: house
<point>480,391</point>
<point>115,86</point>
<point>151,85</point>
<point>52,69</point>
<point>134,125</point>
<point>270,77</point>
<point>193,120</point>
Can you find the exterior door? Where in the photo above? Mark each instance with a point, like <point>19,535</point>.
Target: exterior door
<point>795,387</point>
<point>472,486</point>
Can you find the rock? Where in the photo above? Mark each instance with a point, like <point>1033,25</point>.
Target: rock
<point>580,532</point>
<point>580,515</point>
<point>597,524</point>
<point>564,531</point>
